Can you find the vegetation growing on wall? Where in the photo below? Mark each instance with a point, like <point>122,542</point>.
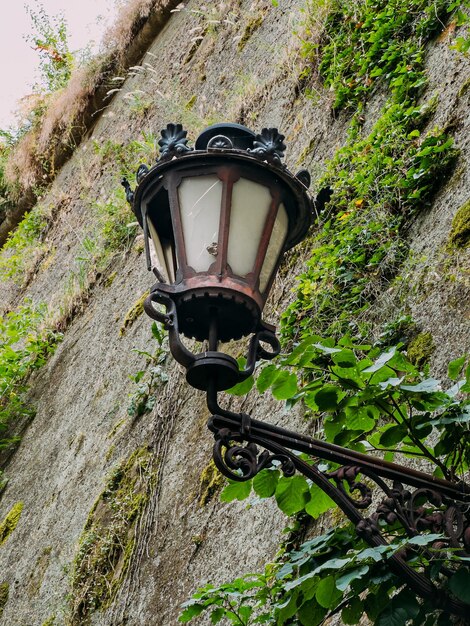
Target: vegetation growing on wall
<point>57,122</point>
<point>460,232</point>
<point>108,540</point>
<point>25,344</point>
<point>10,522</point>
<point>147,381</point>
<point>378,183</point>
<point>4,593</point>
<point>381,179</point>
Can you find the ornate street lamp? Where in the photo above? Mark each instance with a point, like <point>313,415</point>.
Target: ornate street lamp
<point>217,220</point>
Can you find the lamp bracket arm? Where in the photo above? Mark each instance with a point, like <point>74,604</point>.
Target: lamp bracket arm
<point>427,504</point>
<point>169,319</point>
<point>265,334</point>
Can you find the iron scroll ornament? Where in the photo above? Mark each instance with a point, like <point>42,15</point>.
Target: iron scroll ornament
<point>448,512</point>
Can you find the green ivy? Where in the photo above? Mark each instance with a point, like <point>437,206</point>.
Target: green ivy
<point>334,573</point>
<point>379,182</point>
<point>149,380</point>
<point>369,399</point>
<point>378,42</point>
<point>381,179</point>
<point>25,345</point>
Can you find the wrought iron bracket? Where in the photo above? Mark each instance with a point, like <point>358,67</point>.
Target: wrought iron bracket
<point>415,500</point>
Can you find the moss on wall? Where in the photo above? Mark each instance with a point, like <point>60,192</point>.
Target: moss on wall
<point>253,24</point>
<point>10,522</point>
<point>133,313</point>
<point>37,574</point>
<point>108,539</point>
<point>420,349</point>
<point>4,591</point>
<point>460,232</point>
<point>211,482</point>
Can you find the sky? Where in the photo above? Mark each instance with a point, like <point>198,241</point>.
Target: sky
<point>86,20</point>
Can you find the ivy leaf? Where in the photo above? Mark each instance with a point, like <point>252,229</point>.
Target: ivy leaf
<point>403,607</point>
<point>291,494</point>
<point>319,502</point>
<point>344,581</point>
<point>191,611</point>
<point>241,389</point>
<point>351,614</point>
<point>266,378</point>
<point>311,613</point>
<point>392,435</point>
<point>363,418</point>
<point>327,593</point>
<point>325,399</point>
<point>326,349</point>
<point>236,491</point>
<point>284,386</point>
<point>455,367</point>
<point>265,483</point>
<point>345,358</point>
<point>381,361</point>
<point>426,386</point>
<point>424,540</point>
<point>459,584</point>
<point>245,612</point>
<point>217,615</point>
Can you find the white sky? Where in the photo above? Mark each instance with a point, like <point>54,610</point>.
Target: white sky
<point>86,20</point>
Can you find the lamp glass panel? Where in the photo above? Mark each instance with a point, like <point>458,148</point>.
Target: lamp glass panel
<point>200,198</point>
<point>161,254</point>
<point>250,207</point>
<point>276,244</point>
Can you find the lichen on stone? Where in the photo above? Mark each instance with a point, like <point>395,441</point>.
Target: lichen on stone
<point>108,539</point>
<point>420,349</point>
<point>460,232</point>
<point>252,25</point>
<point>211,482</point>
<point>36,576</point>
<point>10,522</point>
<point>190,103</point>
<point>4,591</point>
<point>133,313</point>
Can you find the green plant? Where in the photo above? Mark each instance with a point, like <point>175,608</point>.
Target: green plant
<point>142,399</point>
<point>108,540</point>
<point>24,245</point>
<point>378,182</point>
<point>334,573</point>
<point>369,399</point>
<point>366,43</point>
<point>51,42</point>
<point>25,345</point>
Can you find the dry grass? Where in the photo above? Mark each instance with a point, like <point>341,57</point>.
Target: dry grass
<point>70,112</point>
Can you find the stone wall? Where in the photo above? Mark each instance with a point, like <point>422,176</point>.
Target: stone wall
<point>239,63</point>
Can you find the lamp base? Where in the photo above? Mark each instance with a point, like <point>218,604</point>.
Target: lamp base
<point>238,314</point>
<point>213,368</point>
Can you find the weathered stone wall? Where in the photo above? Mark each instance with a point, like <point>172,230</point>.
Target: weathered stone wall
<point>245,69</point>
